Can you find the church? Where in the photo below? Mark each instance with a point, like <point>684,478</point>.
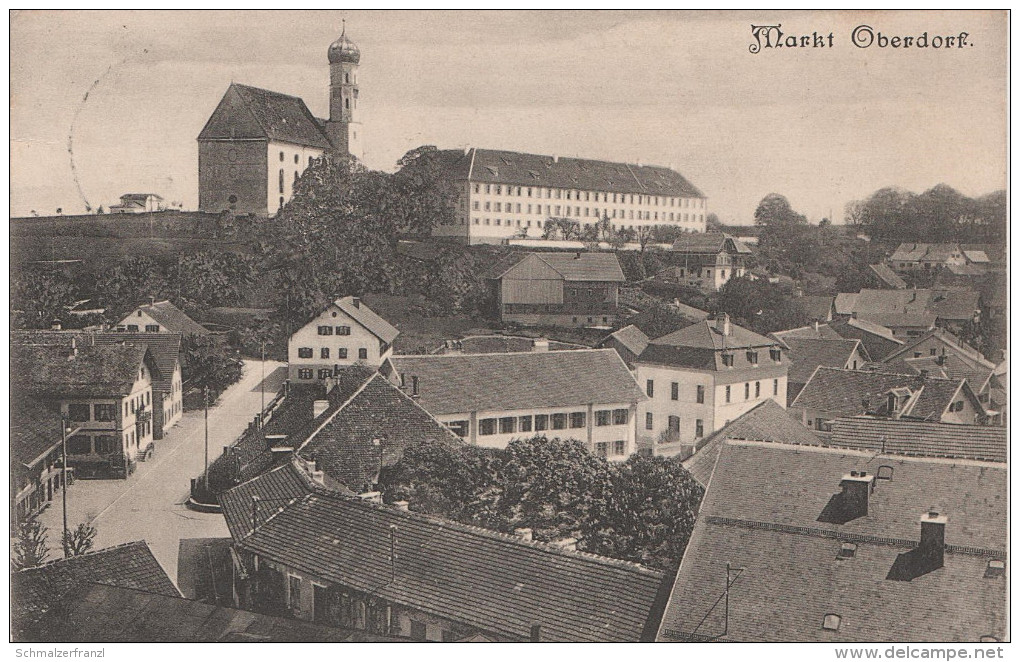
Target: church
<point>257,142</point>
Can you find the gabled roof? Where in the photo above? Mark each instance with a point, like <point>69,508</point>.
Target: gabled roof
<point>816,307</point>
<point>631,338</point>
<point>165,348</point>
<point>899,320</point>
<point>979,257</point>
<point>765,514</point>
<point>888,276</point>
<point>961,361</point>
<point>700,347</point>
<point>353,440</point>
<point>90,371</point>
<point>35,427</point>
<point>368,318</point>
<point>955,304</point>
<point>921,438</point>
<point>252,112</point>
<point>462,383</point>
<point>768,421</point>
<point>503,167</point>
<point>102,613</point>
<point>500,344</point>
<point>909,252</point>
<point>273,489</point>
<point>709,242</point>
<point>572,266</point>
<point>706,335</point>
<point>495,582</point>
<point>824,331</point>
<point>171,317</point>
<point>844,393</point>
<point>131,565</point>
<point>870,302</point>
<point>845,303</point>
<point>806,354</point>
<point>696,314</point>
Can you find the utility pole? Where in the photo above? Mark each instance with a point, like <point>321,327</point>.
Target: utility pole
<point>63,478</point>
<point>262,384</point>
<point>205,398</point>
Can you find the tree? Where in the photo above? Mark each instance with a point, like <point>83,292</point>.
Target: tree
<point>712,222</point>
<point>30,546</point>
<point>650,514</point>
<point>774,210</point>
<point>760,305</point>
<point>590,237</point>
<point>79,540</point>
<point>643,235</point>
<point>421,196</point>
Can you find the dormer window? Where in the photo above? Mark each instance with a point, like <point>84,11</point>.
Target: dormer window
<point>727,359</point>
<point>776,354</point>
<point>847,551</point>
<point>752,357</point>
<point>996,568</point>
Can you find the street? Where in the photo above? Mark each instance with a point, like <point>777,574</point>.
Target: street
<point>149,505</point>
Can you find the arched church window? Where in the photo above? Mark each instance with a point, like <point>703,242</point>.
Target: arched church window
<point>347,78</point>
<point>296,158</point>
<point>281,180</point>
<point>281,156</point>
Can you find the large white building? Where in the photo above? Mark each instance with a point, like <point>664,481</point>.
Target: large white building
<point>490,399</point>
<point>347,332</point>
<point>700,378</point>
<point>510,194</point>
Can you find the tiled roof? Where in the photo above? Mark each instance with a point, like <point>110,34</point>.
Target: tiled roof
<point>695,314</point>
<point>768,421</point>
<point>295,410</point>
<point>274,489</point>
<point>705,335</point>
<point>976,256</point>
<point>280,117</point>
<point>877,339</point>
<point>367,317</point>
<point>502,167</point>
<point>951,366</point>
<point>631,338</point>
<point>888,276</point>
<point>844,392</point>
<point>955,304</point>
<point>809,331</point>
<point>500,344</point>
<point>920,320</point>
<point>950,340</point>
<point>455,384</point>
<point>131,565</point>
<point>573,265</point>
<point>35,427</point>
<point>845,302</point>
<point>870,302</point>
<point>355,439</point>
<point>94,371</point>
<point>904,437</point>
<point>806,354</point>
<point>101,613</point>
<point>172,317</point>
<point>909,252</point>
<point>816,307</point>
<point>765,514</point>
<point>709,242</point>
<point>495,582</point>
<point>165,348</point>
<point>344,384</point>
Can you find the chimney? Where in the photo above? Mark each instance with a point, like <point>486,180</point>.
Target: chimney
<point>318,407</point>
<point>356,301</point>
<point>577,255</point>
<point>556,158</point>
<point>933,538</point>
<point>414,386</point>
<point>857,488</point>
<point>722,324</point>
<point>853,315</point>
<point>55,325</point>
<point>924,374</point>
<point>401,505</point>
<point>540,345</point>
<point>816,325</point>
<point>524,534</point>
<point>467,150</point>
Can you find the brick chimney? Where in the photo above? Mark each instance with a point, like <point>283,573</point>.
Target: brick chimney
<point>414,386</point>
<point>933,538</point>
<point>816,325</point>
<point>319,407</point>
<point>856,486</point>
<point>356,301</point>
<point>722,324</point>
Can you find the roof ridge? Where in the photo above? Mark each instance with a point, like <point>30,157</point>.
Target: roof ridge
<point>869,453</point>
<point>330,418</point>
<point>460,356</point>
<point>89,553</point>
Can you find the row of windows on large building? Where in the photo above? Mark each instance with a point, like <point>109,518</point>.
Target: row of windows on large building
<point>673,425</point>
<point>590,196</point>
<point>106,444</point>
<point>83,412</point>
<point>568,211</point>
<point>324,353</point>
<point>540,422</point>
<point>538,224</point>
<point>674,393</point>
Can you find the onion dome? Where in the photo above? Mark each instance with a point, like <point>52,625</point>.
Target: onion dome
<point>344,50</point>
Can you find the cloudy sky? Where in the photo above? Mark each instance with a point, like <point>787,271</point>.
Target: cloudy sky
<point>821,126</point>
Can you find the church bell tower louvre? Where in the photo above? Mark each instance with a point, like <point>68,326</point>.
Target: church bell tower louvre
<point>343,128</point>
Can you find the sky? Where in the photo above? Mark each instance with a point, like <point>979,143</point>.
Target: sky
<point>822,126</point>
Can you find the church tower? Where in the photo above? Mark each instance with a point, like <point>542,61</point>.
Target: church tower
<point>343,129</point>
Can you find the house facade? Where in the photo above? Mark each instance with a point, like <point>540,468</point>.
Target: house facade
<point>558,289</point>
<point>137,203</point>
<point>160,317</point>
<point>490,399</point>
<point>347,332</point>
<point>708,260</point>
<point>36,477</point>
<point>503,195</point>
<point>103,391</point>
<point>700,378</point>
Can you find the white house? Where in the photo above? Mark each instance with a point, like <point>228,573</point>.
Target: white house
<point>347,332</point>
<point>490,399</point>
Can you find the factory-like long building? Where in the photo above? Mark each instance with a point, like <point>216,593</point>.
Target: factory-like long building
<point>509,194</point>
